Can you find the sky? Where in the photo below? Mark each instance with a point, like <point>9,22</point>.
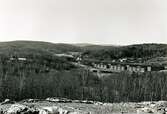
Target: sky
<point>119,22</point>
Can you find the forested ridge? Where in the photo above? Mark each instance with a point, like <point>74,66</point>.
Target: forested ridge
<point>29,46</point>
<point>92,51</point>
<point>131,51</point>
<point>42,74</point>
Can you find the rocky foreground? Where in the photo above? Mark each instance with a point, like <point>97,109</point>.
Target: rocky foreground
<point>67,106</point>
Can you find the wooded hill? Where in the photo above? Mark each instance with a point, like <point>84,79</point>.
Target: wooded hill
<point>43,74</point>
<point>131,51</point>
<point>24,47</point>
<point>100,52</point>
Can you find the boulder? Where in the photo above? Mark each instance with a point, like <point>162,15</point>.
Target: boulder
<point>43,111</point>
<point>61,100</point>
<point>161,104</point>
<point>87,102</point>
<point>17,108</point>
<point>59,110</point>
<point>23,109</point>
<point>76,101</point>
<point>63,111</point>
<point>52,110</point>
<point>98,103</point>
<point>53,99</point>
<point>145,110</point>
<point>7,101</point>
<point>30,100</point>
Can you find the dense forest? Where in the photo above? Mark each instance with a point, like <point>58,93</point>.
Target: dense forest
<point>18,77</point>
<point>21,81</point>
<point>131,51</point>
<point>41,74</point>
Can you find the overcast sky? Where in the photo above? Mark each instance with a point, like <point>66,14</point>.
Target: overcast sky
<point>84,21</point>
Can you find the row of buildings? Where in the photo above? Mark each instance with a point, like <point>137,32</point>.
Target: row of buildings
<point>118,67</point>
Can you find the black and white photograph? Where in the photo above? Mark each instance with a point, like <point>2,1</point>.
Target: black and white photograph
<point>83,56</point>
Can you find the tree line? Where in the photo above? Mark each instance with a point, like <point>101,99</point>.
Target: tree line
<point>131,51</point>
<point>53,77</point>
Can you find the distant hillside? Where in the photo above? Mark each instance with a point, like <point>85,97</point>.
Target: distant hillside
<point>130,51</point>
<point>41,74</point>
<point>99,52</point>
<point>82,44</point>
<point>26,67</point>
<point>38,54</point>
<point>34,46</point>
<point>98,47</point>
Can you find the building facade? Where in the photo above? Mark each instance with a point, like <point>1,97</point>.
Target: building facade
<point>127,67</point>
